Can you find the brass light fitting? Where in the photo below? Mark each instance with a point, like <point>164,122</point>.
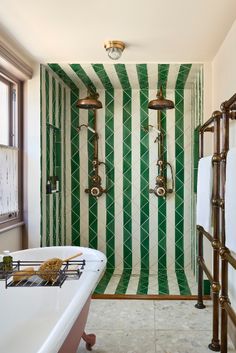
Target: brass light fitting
<point>114,48</point>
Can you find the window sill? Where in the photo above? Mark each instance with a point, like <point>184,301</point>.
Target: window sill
<point>12,226</point>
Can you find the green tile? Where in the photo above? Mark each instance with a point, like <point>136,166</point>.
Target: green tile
<point>101,287</point>
<point>183,283</point>
<point>183,75</point>
<point>144,172</point>
<point>163,70</point>
<point>123,77</point>
<point>101,72</point>
<point>179,176</point>
<point>163,281</point>
<point>123,282</point>
<point>207,287</point>
<point>75,171</point>
<point>142,76</point>
<point>61,73</point>
<point>127,178</point>
<point>77,68</point>
<point>143,282</point>
<point>109,151</point>
<point>48,157</point>
<point>162,251</point>
<point>93,221</point>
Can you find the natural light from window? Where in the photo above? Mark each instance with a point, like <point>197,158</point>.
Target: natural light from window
<point>4,113</point>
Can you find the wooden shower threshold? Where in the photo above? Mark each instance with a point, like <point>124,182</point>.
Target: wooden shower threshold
<point>148,297</point>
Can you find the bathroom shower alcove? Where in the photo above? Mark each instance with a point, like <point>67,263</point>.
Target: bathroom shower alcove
<point>150,242</point>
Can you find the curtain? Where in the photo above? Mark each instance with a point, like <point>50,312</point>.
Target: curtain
<point>8,180</point>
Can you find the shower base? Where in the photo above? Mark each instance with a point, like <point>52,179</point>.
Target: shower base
<point>165,282</point>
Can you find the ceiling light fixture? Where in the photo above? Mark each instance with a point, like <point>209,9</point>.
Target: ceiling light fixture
<point>114,49</point>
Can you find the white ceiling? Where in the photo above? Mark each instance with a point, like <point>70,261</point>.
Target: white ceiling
<point>154,30</point>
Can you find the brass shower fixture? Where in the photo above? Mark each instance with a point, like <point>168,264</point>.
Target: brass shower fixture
<point>91,102</point>
<point>160,103</point>
<point>161,187</point>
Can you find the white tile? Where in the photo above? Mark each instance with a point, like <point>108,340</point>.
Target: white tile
<point>122,341</point>
<point>133,283</point>
<point>181,315</point>
<point>112,285</point>
<point>153,284</point>
<point>121,314</point>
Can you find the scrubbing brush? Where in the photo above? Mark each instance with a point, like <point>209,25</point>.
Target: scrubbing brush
<point>49,270</point>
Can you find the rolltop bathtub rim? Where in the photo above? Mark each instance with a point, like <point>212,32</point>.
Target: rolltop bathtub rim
<point>79,290</point>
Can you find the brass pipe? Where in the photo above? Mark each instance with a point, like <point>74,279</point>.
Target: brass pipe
<point>205,233</point>
<point>95,188</point>
<point>210,121</point>
<point>218,239</point>
<point>161,188</point>
<point>226,255</point>
<point>200,304</point>
<point>209,129</point>
<point>227,104</point>
<point>161,137</point>
<point>215,343</point>
<point>225,303</point>
<point>205,269</point>
<point>224,262</point>
<point>95,158</point>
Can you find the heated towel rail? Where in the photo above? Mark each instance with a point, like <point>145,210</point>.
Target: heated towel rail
<point>218,124</point>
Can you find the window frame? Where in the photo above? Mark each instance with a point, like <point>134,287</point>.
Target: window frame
<point>11,220</point>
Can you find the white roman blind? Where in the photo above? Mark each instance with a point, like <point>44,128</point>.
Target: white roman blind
<point>8,180</point>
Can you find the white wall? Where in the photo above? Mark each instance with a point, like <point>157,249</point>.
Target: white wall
<point>32,159</point>
<point>223,87</point>
<point>11,240</point>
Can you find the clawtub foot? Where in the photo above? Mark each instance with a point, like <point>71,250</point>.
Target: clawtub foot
<point>90,340</point>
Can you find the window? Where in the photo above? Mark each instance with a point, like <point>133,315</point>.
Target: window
<point>10,150</point>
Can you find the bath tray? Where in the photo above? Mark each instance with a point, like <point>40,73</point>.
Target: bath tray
<point>70,270</point>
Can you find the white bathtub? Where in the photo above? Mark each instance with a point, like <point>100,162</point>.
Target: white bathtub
<point>39,319</point>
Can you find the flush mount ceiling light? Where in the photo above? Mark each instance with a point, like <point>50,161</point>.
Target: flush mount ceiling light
<point>114,49</point>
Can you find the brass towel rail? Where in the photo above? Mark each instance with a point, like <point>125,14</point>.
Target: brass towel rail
<point>218,124</point>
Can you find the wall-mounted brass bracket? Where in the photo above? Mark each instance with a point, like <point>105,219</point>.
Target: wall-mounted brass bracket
<point>218,203</point>
<point>223,252</point>
<point>215,244</point>
<point>216,158</point>
<point>224,300</point>
<point>215,287</point>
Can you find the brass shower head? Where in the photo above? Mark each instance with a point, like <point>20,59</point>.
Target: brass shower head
<point>160,103</point>
<point>90,102</point>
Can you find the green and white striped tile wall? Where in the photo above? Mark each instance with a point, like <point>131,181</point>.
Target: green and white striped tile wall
<point>139,233</point>
<point>55,113</point>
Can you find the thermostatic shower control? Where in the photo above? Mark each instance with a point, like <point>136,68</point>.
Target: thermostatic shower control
<point>161,189</point>
<point>92,103</point>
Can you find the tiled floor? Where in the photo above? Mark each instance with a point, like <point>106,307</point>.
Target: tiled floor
<point>164,282</point>
<point>145,326</point>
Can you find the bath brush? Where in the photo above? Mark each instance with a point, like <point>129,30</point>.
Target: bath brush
<point>49,269</point>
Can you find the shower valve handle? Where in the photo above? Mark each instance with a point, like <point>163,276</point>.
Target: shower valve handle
<point>158,191</point>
